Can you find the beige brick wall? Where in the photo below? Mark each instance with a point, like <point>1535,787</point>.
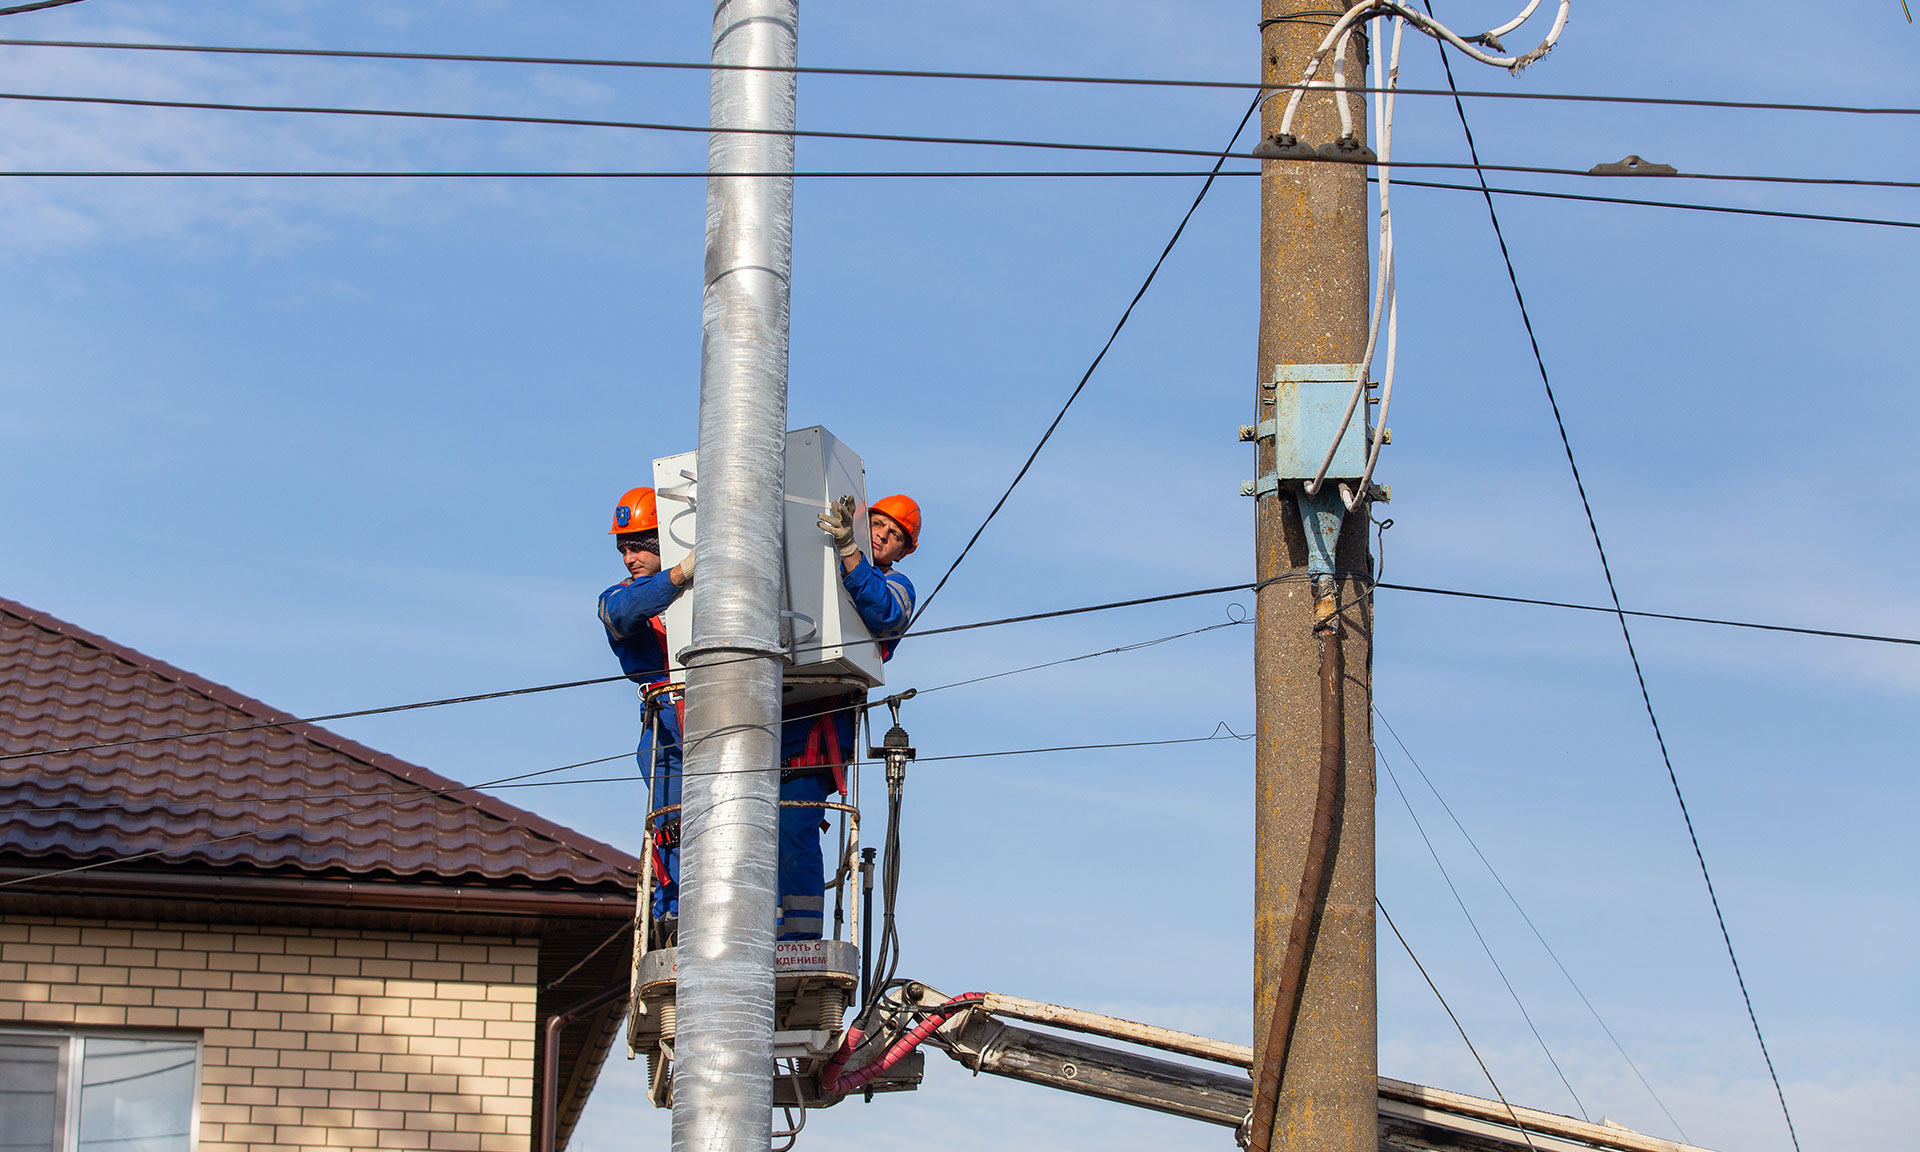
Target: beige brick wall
<point>322,1039</point>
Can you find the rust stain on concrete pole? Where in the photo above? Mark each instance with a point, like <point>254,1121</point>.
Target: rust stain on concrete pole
<point>1314,232</point>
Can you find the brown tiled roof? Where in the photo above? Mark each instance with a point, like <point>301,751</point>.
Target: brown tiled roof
<point>289,801</point>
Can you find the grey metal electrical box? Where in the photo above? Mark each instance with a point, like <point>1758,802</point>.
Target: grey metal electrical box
<point>828,644</point>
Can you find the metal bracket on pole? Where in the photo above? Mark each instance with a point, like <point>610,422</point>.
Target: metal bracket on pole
<point>1302,405</point>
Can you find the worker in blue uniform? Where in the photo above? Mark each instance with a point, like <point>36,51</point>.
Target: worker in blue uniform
<point>817,736</point>
<point>630,611</point>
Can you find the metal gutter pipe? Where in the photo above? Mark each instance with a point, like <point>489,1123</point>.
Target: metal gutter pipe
<point>550,1061</point>
<point>723,1051</point>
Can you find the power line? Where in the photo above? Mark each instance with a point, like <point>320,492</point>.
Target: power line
<point>1030,617</point>
<point>908,138</point>
<point>398,795</point>
<point>1515,901</point>
<point>409,798</point>
<point>1220,732</point>
<point>539,688</point>
<point>631,125</point>
<point>1002,174</point>
<point>1478,935</point>
<point>290,721</point>
<point>1626,633</point>
<point>1011,173</point>
<point>658,747</point>
<point>1655,615</point>
<point>927,74</point>
<point>1456,1023</point>
<point>527,779</point>
<point>1217,734</point>
<point>17,9</point>
<point>1178,231</point>
<point>1682,205</point>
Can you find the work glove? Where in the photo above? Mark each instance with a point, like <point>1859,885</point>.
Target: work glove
<point>685,570</point>
<point>837,522</point>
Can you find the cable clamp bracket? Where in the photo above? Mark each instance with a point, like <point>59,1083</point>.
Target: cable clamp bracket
<point>1304,406</point>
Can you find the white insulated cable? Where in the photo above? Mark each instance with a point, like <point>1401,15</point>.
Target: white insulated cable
<point>1492,36</point>
<point>1354,496</point>
<point>1386,76</point>
<point>1336,37</point>
<point>1386,297</point>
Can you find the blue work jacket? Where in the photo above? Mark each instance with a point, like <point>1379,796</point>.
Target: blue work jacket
<point>885,603</point>
<point>627,609</point>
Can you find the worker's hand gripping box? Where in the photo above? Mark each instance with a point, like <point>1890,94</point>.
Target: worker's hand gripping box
<point>829,649</point>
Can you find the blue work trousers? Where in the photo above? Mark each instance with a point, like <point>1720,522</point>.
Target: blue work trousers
<point>802,874</point>
<point>664,771</point>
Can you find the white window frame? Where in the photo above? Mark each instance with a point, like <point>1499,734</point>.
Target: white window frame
<point>71,1044</point>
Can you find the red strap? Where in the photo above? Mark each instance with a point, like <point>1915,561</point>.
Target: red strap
<point>823,751</point>
<point>659,627</point>
<point>661,877</point>
<point>832,731</point>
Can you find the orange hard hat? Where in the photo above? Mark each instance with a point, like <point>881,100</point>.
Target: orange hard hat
<point>635,513</point>
<point>902,511</point>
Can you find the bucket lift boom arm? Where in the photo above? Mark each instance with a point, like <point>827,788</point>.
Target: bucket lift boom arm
<point>981,1039</point>
<point>1411,1115</point>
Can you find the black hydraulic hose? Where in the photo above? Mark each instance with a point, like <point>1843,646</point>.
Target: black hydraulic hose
<point>866,927</point>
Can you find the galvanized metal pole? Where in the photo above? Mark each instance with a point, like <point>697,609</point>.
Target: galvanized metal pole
<point>723,1051</point>
<point>1313,310</point>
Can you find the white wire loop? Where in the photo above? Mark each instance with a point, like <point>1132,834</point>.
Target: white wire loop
<point>1387,79</point>
<point>1336,39</point>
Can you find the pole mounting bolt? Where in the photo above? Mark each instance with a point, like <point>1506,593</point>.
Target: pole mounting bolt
<point>1283,146</point>
<point>1348,150</point>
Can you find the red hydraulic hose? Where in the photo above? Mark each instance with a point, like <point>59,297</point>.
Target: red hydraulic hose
<point>832,1083</point>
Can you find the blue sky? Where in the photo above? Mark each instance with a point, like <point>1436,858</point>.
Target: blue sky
<point>348,443</point>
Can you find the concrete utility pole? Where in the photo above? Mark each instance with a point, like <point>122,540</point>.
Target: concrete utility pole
<point>1321,1090</point>
<point>723,1052</point>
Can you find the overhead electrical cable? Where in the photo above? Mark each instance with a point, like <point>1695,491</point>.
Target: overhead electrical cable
<point>1221,732</point>
<point>926,74</point>
<point>413,797</point>
<point>1481,937</point>
<point>527,779</point>
<point>1778,214</point>
<point>414,793</point>
<point>630,125</point>
<point>909,138</point>
<point>1827,632</point>
<point>310,797</point>
<point>291,721</point>
<point>1537,934</point>
<point>1626,632</point>
<point>1457,1026</point>
<point>1030,617</point>
<point>1002,174</point>
<point>17,9</point>
<point>1100,356</point>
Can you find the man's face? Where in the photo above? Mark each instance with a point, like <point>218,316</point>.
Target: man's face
<point>639,561</point>
<point>889,539</point>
